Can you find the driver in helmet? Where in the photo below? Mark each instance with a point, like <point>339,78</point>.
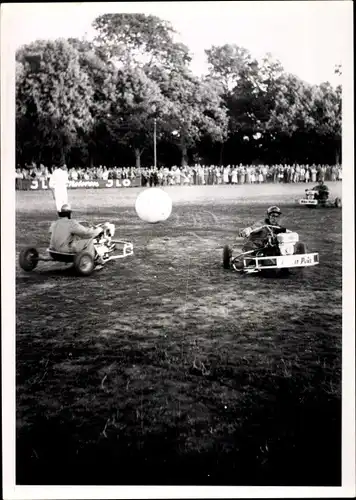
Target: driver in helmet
<point>322,192</point>
<point>256,234</point>
<point>68,235</point>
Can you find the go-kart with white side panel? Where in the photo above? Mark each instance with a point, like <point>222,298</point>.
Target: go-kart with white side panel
<point>311,200</point>
<point>281,251</point>
<point>106,250</point>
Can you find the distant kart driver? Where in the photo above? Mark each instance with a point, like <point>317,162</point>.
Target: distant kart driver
<point>69,236</point>
<point>322,192</point>
<point>256,235</point>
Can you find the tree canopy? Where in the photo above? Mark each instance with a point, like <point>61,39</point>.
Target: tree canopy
<point>97,101</point>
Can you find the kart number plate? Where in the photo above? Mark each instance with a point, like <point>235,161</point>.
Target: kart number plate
<point>308,202</point>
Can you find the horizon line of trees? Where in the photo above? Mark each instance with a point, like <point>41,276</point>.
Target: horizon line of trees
<point>96,102</point>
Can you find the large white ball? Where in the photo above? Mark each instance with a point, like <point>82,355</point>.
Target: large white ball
<point>153,205</point>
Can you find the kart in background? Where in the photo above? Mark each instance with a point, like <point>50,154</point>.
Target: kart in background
<point>311,200</point>
<point>281,251</point>
<point>106,250</point>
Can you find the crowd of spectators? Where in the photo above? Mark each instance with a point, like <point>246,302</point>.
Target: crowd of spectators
<point>194,174</point>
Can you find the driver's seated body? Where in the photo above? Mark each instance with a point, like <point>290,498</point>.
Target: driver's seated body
<point>69,236</point>
<point>256,235</point>
<point>322,192</point>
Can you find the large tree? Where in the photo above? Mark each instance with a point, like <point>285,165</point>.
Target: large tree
<point>237,72</point>
<point>53,97</point>
<point>102,79</point>
<point>307,118</point>
<point>277,112</point>
<point>189,107</point>
<point>135,102</point>
<point>194,109</point>
<point>139,40</point>
<point>230,64</point>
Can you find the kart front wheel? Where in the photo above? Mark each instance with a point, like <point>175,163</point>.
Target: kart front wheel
<point>227,254</point>
<point>338,202</point>
<point>84,263</point>
<point>28,259</point>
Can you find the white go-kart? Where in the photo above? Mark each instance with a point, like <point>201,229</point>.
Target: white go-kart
<point>281,251</point>
<point>311,200</point>
<point>106,250</point>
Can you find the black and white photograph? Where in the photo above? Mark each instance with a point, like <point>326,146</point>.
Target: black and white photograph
<point>178,279</point>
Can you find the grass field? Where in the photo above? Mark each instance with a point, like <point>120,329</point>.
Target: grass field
<point>166,369</point>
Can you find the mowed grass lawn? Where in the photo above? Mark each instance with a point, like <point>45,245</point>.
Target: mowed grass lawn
<point>165,368</point>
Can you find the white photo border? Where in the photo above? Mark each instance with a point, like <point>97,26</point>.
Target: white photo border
<point>8,211</point>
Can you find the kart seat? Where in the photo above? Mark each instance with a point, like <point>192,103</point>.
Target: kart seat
<point>61,256</point>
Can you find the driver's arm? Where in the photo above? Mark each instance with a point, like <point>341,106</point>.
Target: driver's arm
<point>255,228</point>
<point>83,232</point>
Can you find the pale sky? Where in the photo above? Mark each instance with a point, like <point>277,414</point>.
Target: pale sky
<point>308,37</point>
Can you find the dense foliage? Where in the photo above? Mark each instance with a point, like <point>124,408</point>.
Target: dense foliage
<point>96,102</point>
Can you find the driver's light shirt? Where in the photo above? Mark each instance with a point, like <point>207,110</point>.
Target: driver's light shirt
<point>64,231</point>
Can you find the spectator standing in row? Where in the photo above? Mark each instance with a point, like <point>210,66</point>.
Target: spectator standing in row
<point>307,175</point>
<point>58,183</point>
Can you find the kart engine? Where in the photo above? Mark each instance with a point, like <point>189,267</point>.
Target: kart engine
<point>107,234</point>
<point>310,194</point>
<point>286,242</point>
<point>109,230</point>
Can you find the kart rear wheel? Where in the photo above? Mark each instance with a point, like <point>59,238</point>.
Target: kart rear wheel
<point>227,254</point>
<point>28,259</point>
<point>84,263</point>
<point>300,248</point>
<point>338,202</point>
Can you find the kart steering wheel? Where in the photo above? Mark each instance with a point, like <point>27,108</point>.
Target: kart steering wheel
<point>270,226</point>
<point>271,238</point>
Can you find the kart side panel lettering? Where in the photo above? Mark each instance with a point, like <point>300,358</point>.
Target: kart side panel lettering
<point>305,260</point>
